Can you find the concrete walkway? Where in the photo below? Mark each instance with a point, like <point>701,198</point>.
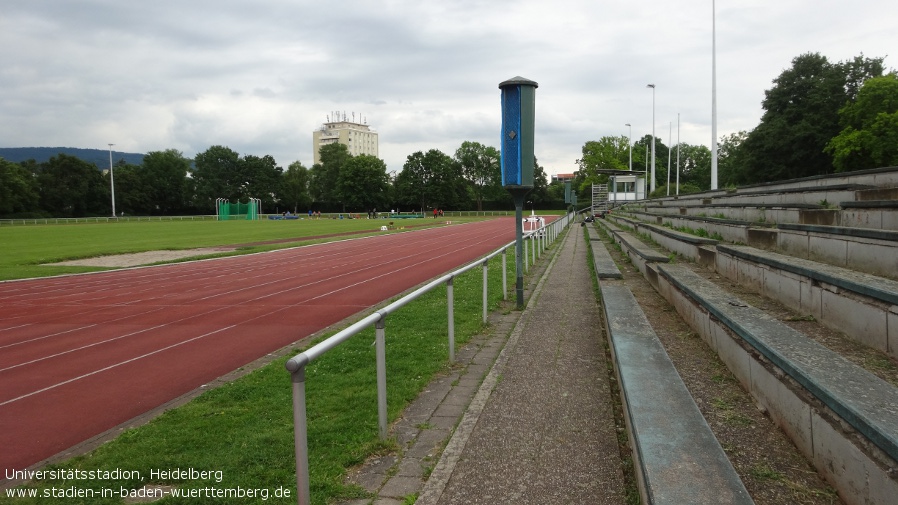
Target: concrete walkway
<point>529,414</point>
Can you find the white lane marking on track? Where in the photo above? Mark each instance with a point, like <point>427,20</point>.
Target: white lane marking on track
<point>15,327</point>
<point>84,347</point>
<point>393,259</point>
<point>157,351</point>
<point>476,240</point>
<point>35,339</point>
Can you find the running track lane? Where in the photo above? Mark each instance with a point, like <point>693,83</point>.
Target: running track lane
<point>80,355</point>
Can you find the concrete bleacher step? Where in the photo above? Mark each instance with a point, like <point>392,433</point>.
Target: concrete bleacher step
<point>678,458</point>
<point>862,305</point>
<point>886,177</point>
<point>844,419</point>
<point>640,254</point>
<point>786,197</point>
<point>864,199</point>
<point>877,194</point>
<point>604,265</point>
<point>870,250</point>
<point>840,416</point>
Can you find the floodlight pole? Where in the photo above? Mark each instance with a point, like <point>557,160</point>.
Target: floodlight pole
<point>653,135</point>
<point>678,153</point>
<point>713,95</point>
<point>111,179</point>
<point>669,151</point>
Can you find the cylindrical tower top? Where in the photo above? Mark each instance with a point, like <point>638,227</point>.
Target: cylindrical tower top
<point>518,80</point>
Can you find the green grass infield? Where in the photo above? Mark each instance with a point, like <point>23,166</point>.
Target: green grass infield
<point>27,251</point>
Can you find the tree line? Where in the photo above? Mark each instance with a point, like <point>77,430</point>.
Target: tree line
<point>167,183</point>
<point>819,118</point>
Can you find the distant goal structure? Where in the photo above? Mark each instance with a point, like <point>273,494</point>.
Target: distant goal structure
<point>225,210</point>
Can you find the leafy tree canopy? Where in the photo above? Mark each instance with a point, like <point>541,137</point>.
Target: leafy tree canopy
<point>70,187</point>
<point>324,175</point>
<point>165,180</point>
<point>802,115</point>
<point>363,184</point>
<point>869,138</point>
<point>222,173</point>
<point>18,189</point>
<point>295,188</point>
<point>480,166</point>
<point>607,153</point>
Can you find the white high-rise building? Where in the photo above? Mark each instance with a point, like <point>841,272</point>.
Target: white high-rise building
<point>358,137</point>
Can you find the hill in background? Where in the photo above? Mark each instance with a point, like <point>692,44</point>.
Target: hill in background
<point>98,157</point>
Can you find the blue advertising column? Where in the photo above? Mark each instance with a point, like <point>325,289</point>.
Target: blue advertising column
<point>518,119</point>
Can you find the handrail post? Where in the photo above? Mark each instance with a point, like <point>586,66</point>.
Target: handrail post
<point>504,274</point>
<point>380,341</point>
<point>485,268</point>
<point>300,436</point>
<point>450,302</point>
<point>539,241</point>
<point>533,246</point>
<point>526,258</point>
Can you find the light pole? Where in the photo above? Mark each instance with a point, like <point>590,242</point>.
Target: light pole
<point>678,153</point>
<point>111,179</point>
<point>652,187</point>
<point>630,145</point>
<point>645,190</point>
<point>669,152</point>
<point>713,95</point>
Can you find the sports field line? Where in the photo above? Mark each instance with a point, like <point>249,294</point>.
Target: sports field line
<point>73,379</point>
<point>403,260</point>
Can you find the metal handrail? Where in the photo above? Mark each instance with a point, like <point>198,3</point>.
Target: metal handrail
<point>542,237</point>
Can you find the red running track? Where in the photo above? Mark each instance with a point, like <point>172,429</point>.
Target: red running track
<point>80,355</point>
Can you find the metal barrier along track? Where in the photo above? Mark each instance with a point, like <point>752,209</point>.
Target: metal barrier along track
<point>541,238</point>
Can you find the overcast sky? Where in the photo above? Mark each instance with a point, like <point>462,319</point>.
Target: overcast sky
<point>259,76</point>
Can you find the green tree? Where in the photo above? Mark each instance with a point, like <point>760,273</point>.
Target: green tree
<point>556,191</point>
<point>411,182</point>
<point>480,166</point>
<point>70,187</point>
<point>540,194</point>
<point>324,175</point>
<point>448,187</point>
<point>363,184</point>
<point>869,137</point>
<point>642,157</point>
<point>695,166</point>
<point>217,175</point>
<point>133,192</point>
<point>295,187</point>
<point>261,179</point>
<point>222,173</point>
<point>18,189</point>
<point>731,166</point>
<point>165,179</point>
<point>607,153</point>
<point>801,116</point>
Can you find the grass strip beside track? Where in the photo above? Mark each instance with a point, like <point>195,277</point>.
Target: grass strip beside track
<point>245,428</point>
<point>25,250</point>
